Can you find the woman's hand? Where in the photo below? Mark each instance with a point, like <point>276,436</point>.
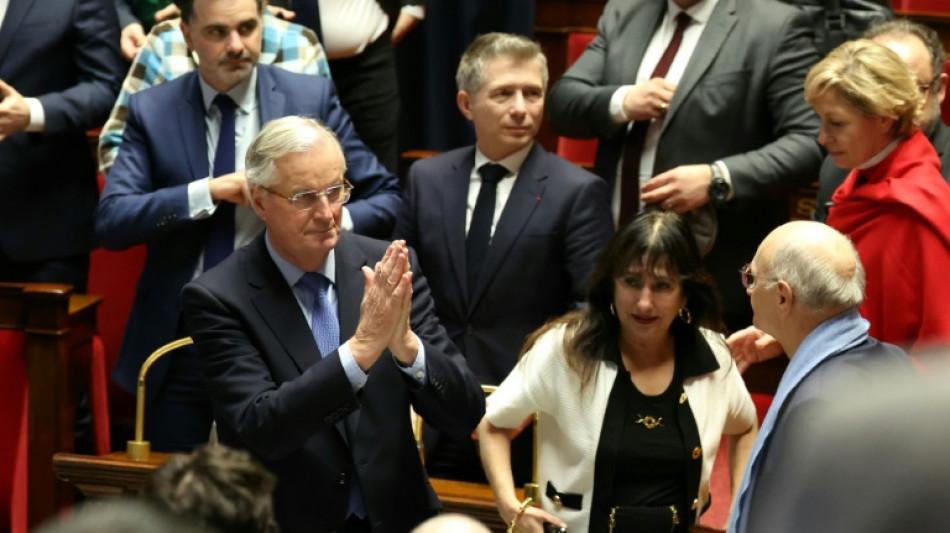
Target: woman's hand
<point>532,520</point>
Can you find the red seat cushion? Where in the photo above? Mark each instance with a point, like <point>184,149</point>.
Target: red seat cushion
<point>578,151</point>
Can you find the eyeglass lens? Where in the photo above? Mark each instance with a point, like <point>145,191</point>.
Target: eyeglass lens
<point>336,194</point>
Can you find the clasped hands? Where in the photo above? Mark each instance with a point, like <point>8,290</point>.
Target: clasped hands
<point>385,311</point>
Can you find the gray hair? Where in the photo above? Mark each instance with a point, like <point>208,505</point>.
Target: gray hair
<point>809,269</point>
<point>903,27</point>
<point>485,48</point>
<point>288,135</point>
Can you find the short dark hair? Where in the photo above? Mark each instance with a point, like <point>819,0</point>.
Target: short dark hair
<point>926,34</point>
<point>217,487</point>
<point>187,8</point>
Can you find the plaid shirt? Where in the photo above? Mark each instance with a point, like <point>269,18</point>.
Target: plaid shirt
<point>165,57</point>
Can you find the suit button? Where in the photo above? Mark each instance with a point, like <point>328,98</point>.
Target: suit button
<point>697,453</point>
<point>469,330</point>
<point>341,479</point>
<point>328,419</point>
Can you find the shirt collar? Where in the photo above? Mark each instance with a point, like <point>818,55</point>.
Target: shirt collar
<point>292,273</point>
<point>242,93</point>
<point>882,154</point>
<point>700,11</point>
<point>512,163</point>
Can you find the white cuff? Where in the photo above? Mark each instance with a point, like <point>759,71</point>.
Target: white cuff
<point>616,104</point>
<point>200,204</point>
<point>352,370</point>
<point>346,221</point>
<point>37,115</point>
<point>417,12</point>
<point>724,170</point>
<point>418,369</point>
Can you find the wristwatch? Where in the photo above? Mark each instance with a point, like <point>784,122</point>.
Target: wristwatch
<point>719,188</point>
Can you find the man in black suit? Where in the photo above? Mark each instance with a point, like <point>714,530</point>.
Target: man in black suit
<point>919,47</point>
<point>721,131</point>
<point>59,75</point>
<point>501,268</point>
<point>331,420</point>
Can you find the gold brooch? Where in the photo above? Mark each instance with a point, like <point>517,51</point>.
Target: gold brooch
<point>649,422</point>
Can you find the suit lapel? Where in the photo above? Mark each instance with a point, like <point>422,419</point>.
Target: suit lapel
<point>349,284</point>
<point>642,24</point>
<point>277,306</point>
<point>270,100</point>
<point>191,125</point>
<point>16,12</point>
<point>710,43</point>
<point>454,203</point>
<point>525,197</point>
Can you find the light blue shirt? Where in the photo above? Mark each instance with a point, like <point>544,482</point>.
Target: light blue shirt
<point>292,274</point>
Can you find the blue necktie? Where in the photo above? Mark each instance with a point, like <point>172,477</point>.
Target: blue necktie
<point>324,325</point>
<point>220,242</point>
<point>326,331</point>
<point>479,230</point>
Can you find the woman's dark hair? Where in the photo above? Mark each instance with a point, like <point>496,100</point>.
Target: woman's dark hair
<point>655,239</point>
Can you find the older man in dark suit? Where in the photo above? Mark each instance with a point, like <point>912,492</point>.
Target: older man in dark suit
<point>507,231</point>
<point>178,185</point>
<point>59,74</point>
<point>316,342</point>
<point>699,108</point>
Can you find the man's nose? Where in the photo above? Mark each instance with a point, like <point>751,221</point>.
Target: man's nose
<point>235,44</point>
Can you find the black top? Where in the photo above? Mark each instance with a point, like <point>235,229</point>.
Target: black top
<point>651,466</point>
<point>693,357</point>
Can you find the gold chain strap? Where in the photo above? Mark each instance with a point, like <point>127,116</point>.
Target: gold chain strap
<point>524,506</point>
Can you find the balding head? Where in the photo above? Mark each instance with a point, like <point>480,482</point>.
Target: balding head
<point>451,523</point>
<point>805,273</point>
<point>819,263</point>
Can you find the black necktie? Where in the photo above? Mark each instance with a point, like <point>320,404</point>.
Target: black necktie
<point>479,231</point>
<point>220,242</point>
<point>637,136</point>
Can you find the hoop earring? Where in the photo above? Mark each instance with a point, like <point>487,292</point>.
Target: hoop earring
<point>685,315</point>
<point>613,311</point>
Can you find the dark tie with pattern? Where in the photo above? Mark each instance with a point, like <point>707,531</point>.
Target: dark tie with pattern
<point>479,230</point>
<point>220,242</point>
<point>637,136</point>
<point>325,327</point>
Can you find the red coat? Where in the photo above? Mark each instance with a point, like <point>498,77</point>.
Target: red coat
<point>899,221</point>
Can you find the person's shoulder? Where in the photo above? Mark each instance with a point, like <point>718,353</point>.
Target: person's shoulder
<point>562,169</point>
<point>438,162</point>
<point>157,97</point>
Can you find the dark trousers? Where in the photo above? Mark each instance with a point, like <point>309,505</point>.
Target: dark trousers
<point>369,92</point>
<point>73,270</point>
<point>179,417</point>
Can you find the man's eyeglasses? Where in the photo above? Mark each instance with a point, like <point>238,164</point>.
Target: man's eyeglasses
<point>307,200</point>
<point>749,279</point>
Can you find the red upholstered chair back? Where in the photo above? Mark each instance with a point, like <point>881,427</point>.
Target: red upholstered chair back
<point>579,151</point>
<point>13,431</point>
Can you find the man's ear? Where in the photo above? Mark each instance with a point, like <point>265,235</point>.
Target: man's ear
<point>464,101</point>
<point>257,196</point>
<point>184,31</point>
<point>942,88</point>
<point>786,297</point>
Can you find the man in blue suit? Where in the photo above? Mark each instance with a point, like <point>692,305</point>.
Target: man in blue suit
<point>59,74</point>
<point>177,188</point>
<point>501,268</point>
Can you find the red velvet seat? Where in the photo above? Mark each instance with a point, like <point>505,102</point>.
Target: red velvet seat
<point>577,151</point>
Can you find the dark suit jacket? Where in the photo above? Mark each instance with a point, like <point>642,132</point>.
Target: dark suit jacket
<point>555,224</point>
<point>274,395</point>
<point>64,52</point>
<point>831,177</point>
<point>869,366</point>
<point>740,101</point>
<point>146,196</point>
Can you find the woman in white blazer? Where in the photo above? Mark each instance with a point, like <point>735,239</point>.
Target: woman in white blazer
<point>634,393</point>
